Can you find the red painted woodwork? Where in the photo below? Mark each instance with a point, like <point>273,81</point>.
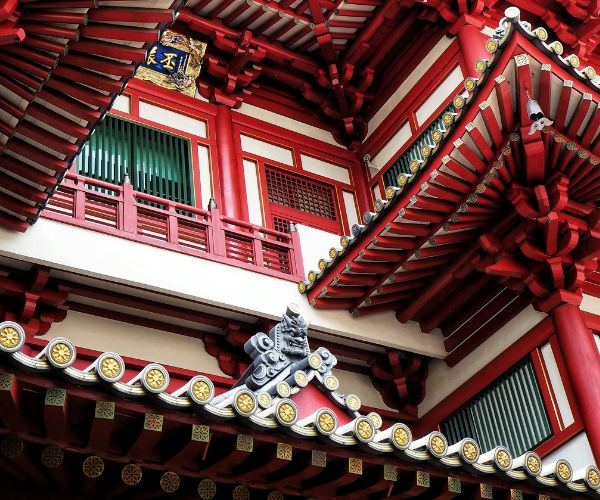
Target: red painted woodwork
<point>231,178</point>
<point>471,42</point>
<point>206,233</point>
<point>583,366</point>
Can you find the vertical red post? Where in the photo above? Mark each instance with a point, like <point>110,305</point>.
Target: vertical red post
<point>172,226</point>
<point>217,233</point>
<point>583,366</point>
<point>129,208</point>
<point>471,42</point>
<point>231,203</point>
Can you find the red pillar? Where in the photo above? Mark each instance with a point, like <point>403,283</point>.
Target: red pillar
<point>471,42</point>
<point>583,366</point>
<point>229,178</point>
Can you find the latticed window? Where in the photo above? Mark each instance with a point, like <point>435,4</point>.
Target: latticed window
<point>158,163</point>
<point>280,224</point>
<point>511,412</point>
<point>301,194</point>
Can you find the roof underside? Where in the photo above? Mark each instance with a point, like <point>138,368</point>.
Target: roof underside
<point>64,63</point>
<point>334,60</point>
<point>417,254</point>
<point>199,435</point>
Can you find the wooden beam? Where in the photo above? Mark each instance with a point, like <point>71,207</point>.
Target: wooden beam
<point>55,414</point>
<point>102,425</point>
<point>144,445</point>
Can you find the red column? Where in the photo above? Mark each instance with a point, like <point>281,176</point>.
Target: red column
<point>471,41</point>
<point>583,366</point>
<point>231,201</point>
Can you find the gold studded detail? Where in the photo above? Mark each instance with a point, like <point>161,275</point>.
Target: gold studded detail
<point>312,276</point>
<point>557,48</point>
<point>425,151</point>
<point>201,389</point>
<point>131,474</point>
<point>326,421</point>
<point>574,61</point>
<point>533,464</point>
<point>590,72</point>
<point>207,489</point>
<point>447,119</point>
<point>437,135</point>
<point>458,102</point>
<point>61,353</point>
<point>365,430</point>
<point>285,451</point>
<point>300,378</point>
<point>315,361</point>
<point>264,399</point>
<point>592,477</point>
<point>52,457</point>
<point>564,471</point>
<point>480,65</point>
<point>10,338</point>
<point>322,264</point>
<point>376,419</point>
<point>332,383</point>
<point>93,467</point>
<point>437,444</point>
<point>155,378</point>
<point>470,84</point>
<point>240,493</point>
<point>301,286</point>
<point>275,495</point>
<point>110,367</point>
<point>283,389</point>
<point>542,34</point>
<point>332,253</point>
<point>344,241</point>
<point>470,451</point>
<point>245,442</point>
<point>401,436</point>
<point>491,45</point>
<point>353,402</point>
<point>169,482</point>
<point>12,446</point>
<point>245,403</point>
<point>355,466</point>
<point>502,458</point>
<point>287,413</point>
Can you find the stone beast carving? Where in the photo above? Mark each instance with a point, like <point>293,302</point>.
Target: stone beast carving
<point>281,353</point>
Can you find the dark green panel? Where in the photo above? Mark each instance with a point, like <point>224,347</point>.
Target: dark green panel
<point>402,163</point>
<point>511,412</point>
<point>158,163</point>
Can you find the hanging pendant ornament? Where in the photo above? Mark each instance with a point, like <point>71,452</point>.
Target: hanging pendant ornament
<point>535,113</point>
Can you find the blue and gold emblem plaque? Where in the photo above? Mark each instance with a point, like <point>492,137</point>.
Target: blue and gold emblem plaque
<point>173,63</point>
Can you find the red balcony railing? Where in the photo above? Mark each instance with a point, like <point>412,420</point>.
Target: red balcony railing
<point>123,212</point>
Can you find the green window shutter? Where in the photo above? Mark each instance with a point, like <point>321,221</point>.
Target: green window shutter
<point>511,412</point>
<point>402,163</point>
<point>158,163</point>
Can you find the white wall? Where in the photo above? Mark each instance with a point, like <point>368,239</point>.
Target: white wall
<point>361,385</point>
<point>315,245</point>
<point>576,451</point>
<point>590,304</point>
<point>287,123</point>
<point>426,63</point>
<point>564,408</point>
<point>138,342</point>
<point>118,260</point>
<point>392,147</point>
<point>442,379</point>
<point>172,119</point>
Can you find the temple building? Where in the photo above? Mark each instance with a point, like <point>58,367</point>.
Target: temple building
<point>299,249</point>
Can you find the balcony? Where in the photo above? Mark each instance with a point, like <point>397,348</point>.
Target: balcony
<point>120,211</point>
